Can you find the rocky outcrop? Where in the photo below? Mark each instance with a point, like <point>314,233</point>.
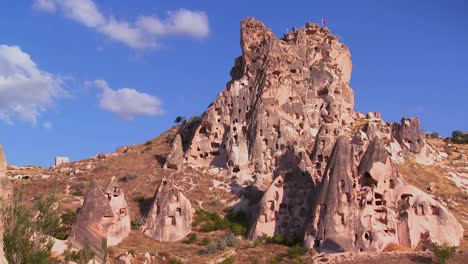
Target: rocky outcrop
<point>116,199</point>
<point>286,205</point>
<point>103,215</point>
<point>286,119</point>
<point>282,90</point>
<point>170,216</point>
<point>367,207</point>
<point>176,156</point>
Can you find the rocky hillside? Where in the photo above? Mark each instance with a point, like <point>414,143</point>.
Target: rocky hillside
<point>280,159</point>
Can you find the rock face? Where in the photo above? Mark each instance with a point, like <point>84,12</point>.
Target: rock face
<point>176,156</point>
<point>103,215</point>
<point>368,210</point>
<point>170,216</point>
<point>287,118</point>
<point>282,90</point>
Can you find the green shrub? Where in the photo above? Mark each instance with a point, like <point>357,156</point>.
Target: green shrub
<point>443,252</point>
<point>459,137</point>
<point>18,229</point>
<point>191,238</point>
<point>297,250</point>
<point>229,260</point>
<point>211,248</point>
<point>277,259</point>
<point>205,241</point>
<point>222,245</point>
<point>434,135</point>
<point>230,240</point>
<point>105,250</point>
<point>68,218</point>
<point>179,119</point>
<point>137,223</point>
<point>170,138</point>
<point>128,177</point>
<point>77,192</point>
<point>147,143</point>
<point>175,261</point>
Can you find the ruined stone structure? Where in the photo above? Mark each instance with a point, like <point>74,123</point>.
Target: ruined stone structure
<point>103,215</point>
<point>286,119</point>
<point>170,216</point>
<point>61,160</point>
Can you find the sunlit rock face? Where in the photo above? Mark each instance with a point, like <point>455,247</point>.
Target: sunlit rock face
<point>170,216</point>
<point>282,90</point>
<point>104,215</point>
<point>286,119</point>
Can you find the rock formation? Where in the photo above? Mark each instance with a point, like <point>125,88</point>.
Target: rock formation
<point>287,119</point>
<point>282,91</point>
<point>170,216</point>
<point>176,156</point>
<point>103,215</point>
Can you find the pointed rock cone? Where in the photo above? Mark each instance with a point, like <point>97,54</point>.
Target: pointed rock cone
<point>103,215</point>
<point>170,215</point>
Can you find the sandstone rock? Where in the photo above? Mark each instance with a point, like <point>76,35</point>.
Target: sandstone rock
<point>126,258</point>
<point>3,162</point>
<point>170,216</point>
<point>431,187</point>
<point>103,215</point>
<point>176,156</point>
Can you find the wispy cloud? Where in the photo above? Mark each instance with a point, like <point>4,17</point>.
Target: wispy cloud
<point>141,34</point>
<point>127,102</point>
<point>25,90</point>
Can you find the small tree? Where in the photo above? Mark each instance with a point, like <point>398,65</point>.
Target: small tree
<point>443,252</point>
<point>23,241</point>
<point>434,135</point>
<point>457,133</point>
<point>179,119</point>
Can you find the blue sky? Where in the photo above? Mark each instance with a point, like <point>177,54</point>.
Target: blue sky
<point>78,78</point>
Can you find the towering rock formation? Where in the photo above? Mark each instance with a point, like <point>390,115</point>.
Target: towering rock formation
<point>170,216</point>
<point>287,118</point>
<point>103,215</point>
<point>282,91</point>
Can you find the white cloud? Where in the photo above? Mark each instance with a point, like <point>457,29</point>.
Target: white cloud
<point>25,90</point>
<point>45,5</point>
<point>141,34</point>
<point>47,125</point>
<point>127,102</point>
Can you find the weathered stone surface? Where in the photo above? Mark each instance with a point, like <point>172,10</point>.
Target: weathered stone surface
<point>286,205</point>
<point>176,156</point>
<point>170,216</point>
<point>282,91</point>
<point>103,215</point>
<point>367,212</point>
<point>408,134</point>
<point>3,162</point>
<point>286,119</point>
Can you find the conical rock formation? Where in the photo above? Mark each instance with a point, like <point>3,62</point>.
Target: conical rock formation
<point>170,216</point>
<point>103,215</point>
